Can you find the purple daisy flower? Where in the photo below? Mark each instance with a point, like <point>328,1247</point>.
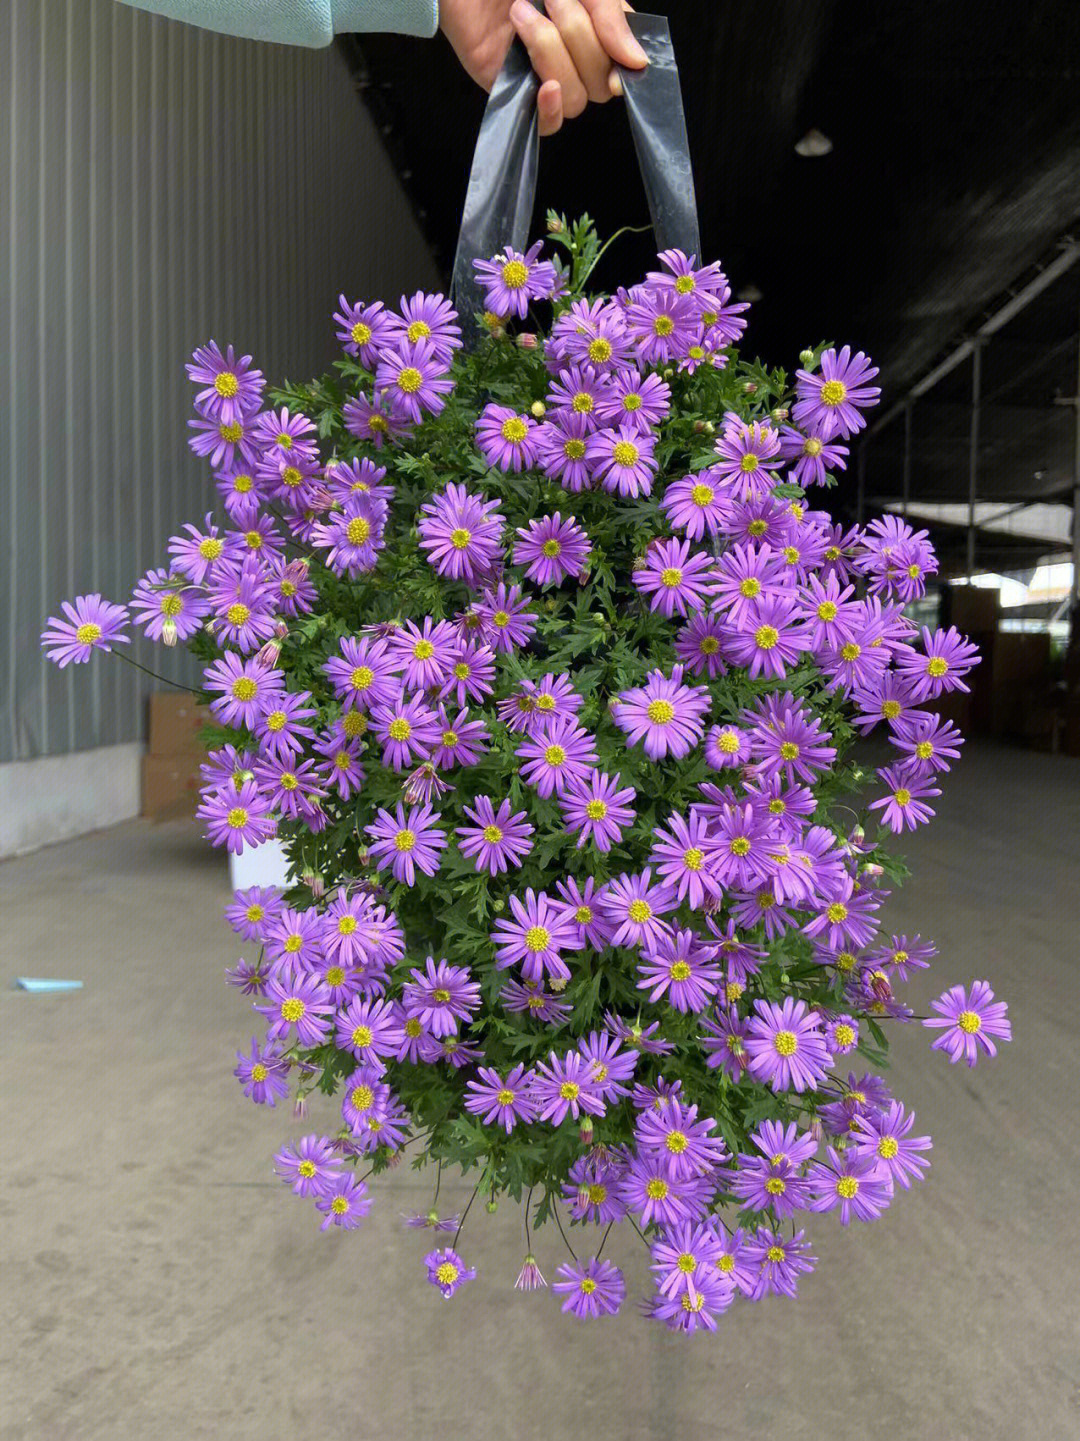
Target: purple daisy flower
<point>852,1183</point>
<point>508,618</point>
<point>563,1085</point>
<point>408,729</point>
<point>904,807</point>
<point>534,1001</point>
<point>407,842</point>
<point>595,806</point>
<point>462,742</point>
<point>281,727</point>
<point>663,713</point>
<point>683,1256</point>
<point>263,1072</point>
<point>505,438</point>
<point>561,445</point>
<point>632,400</point>
<point>366,1029</point>
<point>431,318</point>
<point>580,905</point>
<point>883,1139</point>
<point>253,910</point>
<point>770,1185</point>
<point>682,1143</point>
<point>726,747</point>
<point>297,1002</point>
<point>440,996</point>
<point>673,578</point>
<point>695,505</point>
<point>662,323</point>
<point>746,577</point>
<point>352,538</point>
<point>608,1064</point>
<point>461,533</point>
<point>928,743</point>
<point>413,378</point>
<point>622,460</point>
<point>699,645</point>
<point>447,1271</point>
<point>536,703</point>
<point>471,674</point>
<point>646,1039</point>
<point>341,769</point>
<point>589,1191</point>
<point>232,389</point>
<point>91,624</point>
<point>535,938</point>
<point>558,758</point>
<point>682,970</point>
<point>511,280</point>
<point>635,907</point>
<point>774,638</point>
<point>366,1095</point>
<point>551,549</point>
<point>495,840</point>
<point>363,329</point>
<point>749,452</point>
<point>785,1045</point>
<point>237,816</point>
<point>200,551</point>
<point>842,1035</point>
<point>811,457</point>
<point>424,654</point>
<point>501,1102</point>
<point>828,403</point>
<point>346,1205</point>
<point>167,608</point>
<point>376,420</point>
<point>946,656</point>
<point>284,436</point>
<point>225,444</point>
<point>968,1022</point>
<point>363,674</point>
<point>589,333</point>
<point>578,391</point>
<point>778,1261</point>
<point>592,1288</point>
<point>682,860</point>
<point>646,1189</point>
<point>310,1167</point>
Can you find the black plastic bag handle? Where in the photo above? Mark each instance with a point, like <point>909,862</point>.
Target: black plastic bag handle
<point>502,183</point>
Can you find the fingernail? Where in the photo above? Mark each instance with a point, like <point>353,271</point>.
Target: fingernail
<point>615,83</point>
<point>521,12</point>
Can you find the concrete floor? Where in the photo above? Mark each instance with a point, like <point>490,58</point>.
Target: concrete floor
<point>158,1282</point>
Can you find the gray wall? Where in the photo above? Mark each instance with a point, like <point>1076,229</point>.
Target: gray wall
<point>162,185</point>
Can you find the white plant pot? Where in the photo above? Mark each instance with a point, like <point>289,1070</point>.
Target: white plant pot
<point>263,865</point>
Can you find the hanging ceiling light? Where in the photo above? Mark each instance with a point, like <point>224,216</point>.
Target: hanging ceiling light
<point>813,144</point>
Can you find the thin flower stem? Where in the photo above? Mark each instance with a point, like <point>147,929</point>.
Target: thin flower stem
<point>528,1203</point>
<point>562,1233</point>
<point>639,1231</point>
<point>603,1241</point>
<point>146,671</point>
<point>465,1213</point>
<point>438,1183</point>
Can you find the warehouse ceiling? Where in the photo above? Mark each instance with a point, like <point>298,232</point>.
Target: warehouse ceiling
<point>954,172</point>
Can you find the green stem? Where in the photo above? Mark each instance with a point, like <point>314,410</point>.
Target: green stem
<point>146,671</point>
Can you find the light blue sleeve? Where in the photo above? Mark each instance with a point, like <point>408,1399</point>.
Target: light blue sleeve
<point>300,22</point>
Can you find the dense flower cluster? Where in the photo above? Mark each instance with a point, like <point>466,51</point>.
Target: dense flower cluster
<point>546,669</point>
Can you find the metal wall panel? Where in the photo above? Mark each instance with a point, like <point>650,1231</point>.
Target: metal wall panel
<point>162,185</point>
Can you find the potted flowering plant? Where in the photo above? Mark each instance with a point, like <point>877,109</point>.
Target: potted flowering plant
<point>545,662</point>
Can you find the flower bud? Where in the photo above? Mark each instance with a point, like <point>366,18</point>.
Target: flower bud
<point>669,372</point>
<point>873,870</point>
<point>300,1106</point>
<point>498,905</point>
<point>780,413</point>
<point>554,225</point>
<point>699,427</point>
<point>749,387</point>
<point>585,1134</point>
<point>538,409</point>
<point>526,340</point>
<point>817,1130</point>
<point>492,1206</point>
<point>806,358</point>
<point>557,983</point>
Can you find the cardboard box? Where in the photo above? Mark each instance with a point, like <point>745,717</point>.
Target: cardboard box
<point>170,787</point>
<point>175,722</point>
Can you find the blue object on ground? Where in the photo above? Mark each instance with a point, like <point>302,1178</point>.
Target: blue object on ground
<point>38,983</point>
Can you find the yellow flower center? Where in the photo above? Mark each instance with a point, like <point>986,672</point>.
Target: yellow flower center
<point>237,818</point>
<point>766,637</point>
<point>446,1274</point>
<point>740,846</point>
<point>583,915</point>
<point>789,751</point>
<point>937,667</point>
<point>287,781</point>
<point>684,284</point>
<point>845,1034</point>
<point>791,554</point>
<point>888,1147</point>
<point>812,446</point>
<point>587,1286</point>
<point>671,577</point>
<point>676,1142</point>
<point>259,1072</point>
<point>924,750</point>
<point>663,325</point>
<point>631,401</point>
<point>890,709</point>
<point>693,859</point>
<point>418,330</point>
<point>775,1254</point>
<point>231,433</point>
<point>361,1098</point>
<point>211,547</point>
<point>227,385</point>
<point>537,939</point>
<point>851,651</point>
<point>358,530</point>
<point>596,810</point>
<point>702,494</point>
<point>399,729</point>
<point>786,1043</point>
<point>293,1010</point>
<point>600,350</point>
<point>569,1090</point>
<point>515,274</point>
<point>902,796</point>
<point>827,610</point>
<point>573,448</point>
<point>639,912</point>
<point>492,834</point>
<point>551,548</point>
<point>680,971</point>
<point>757,527</point>
<point>748,464</point>
<point>405,840</point>
<point>409,379</point>
<point>545,702</point>
<point>725,1263</point>
<point>846,1187</point>
<point>238,613</point>
<point>656,1189</point>
<point>555,755</point>
<point>449,739</point>
<point>362,1036</point>
<point>837,912</point>
<point>582,403</point>
<point>728,742</point>
<point>505,1097</point>
<point>514,429</point>
<point>775,1186</point>
<point>833,392</point>
<point>597,1193</point>
<point>361,333</point>
<point>501,618</point>
<point>625,452</point>
<point>660,712</point>
<point>969,1022</point>
<point>87,634</point>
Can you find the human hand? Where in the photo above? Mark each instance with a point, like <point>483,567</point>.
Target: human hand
<point>574,48</point>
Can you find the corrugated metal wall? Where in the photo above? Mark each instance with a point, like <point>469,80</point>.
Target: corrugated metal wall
<point>163,185</point>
